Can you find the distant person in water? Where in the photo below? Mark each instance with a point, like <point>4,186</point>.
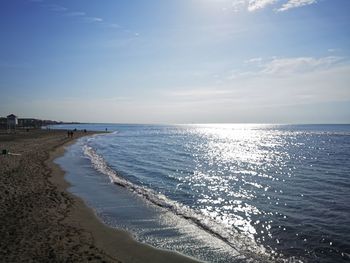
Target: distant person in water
<point>106,129</point>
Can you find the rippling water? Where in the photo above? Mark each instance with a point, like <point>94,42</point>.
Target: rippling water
<point>282,190</point>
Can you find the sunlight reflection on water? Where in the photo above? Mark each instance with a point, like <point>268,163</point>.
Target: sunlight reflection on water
<point>285,188</point>
<point>236,164</point>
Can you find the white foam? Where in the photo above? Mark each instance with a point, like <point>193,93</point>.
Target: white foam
<point>241,244</point>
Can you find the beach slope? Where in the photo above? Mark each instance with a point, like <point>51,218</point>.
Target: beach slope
<point>40,221</point>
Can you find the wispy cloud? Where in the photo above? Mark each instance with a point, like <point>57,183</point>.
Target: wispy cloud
<point>94,19</point>
<point>237,5</point>
<point>332,50</point>
<point>275,83</point>
<point>251,5</point>
<point>279,67</point>
<point>57,8</point>
<point>113,25</point>
<point>296,3</point>
<point>253,60</point>
<point>79,15</point>
<point>76,13</point>
<point>83,16</point>
<point>254,5</point>
<point>298,64</point>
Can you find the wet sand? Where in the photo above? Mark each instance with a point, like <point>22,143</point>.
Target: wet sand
<point>40,221</point>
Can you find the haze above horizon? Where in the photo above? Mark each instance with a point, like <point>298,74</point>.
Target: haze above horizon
<point>184,61</point>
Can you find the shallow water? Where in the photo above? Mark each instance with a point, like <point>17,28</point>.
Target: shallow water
<point>222,193</point>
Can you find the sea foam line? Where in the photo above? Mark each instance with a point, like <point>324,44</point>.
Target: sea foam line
<point>241,244</point>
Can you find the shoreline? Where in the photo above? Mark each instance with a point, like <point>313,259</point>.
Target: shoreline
<point>41,220</point>
<point>117,243</point>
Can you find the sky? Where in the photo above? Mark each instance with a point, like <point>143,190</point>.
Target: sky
<point>176,61</point>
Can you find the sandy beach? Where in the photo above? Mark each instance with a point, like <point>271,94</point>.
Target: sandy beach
<point>41,221</point>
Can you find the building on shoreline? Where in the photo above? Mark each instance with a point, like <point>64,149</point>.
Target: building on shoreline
<point>3,123</point>
<point>30,123</point>
<point>12,122</point>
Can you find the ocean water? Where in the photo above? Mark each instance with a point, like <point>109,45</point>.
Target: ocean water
<point>223,192</point>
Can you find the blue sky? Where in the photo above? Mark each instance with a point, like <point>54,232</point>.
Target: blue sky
<point>176,61</point>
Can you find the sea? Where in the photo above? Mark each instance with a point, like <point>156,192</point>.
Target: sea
<point>220,192</point>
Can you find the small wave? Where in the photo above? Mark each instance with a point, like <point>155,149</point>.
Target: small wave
<point>243,245</point>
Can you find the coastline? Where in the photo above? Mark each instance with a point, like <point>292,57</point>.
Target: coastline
<point>115,242</point>
<point>58,225</point>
